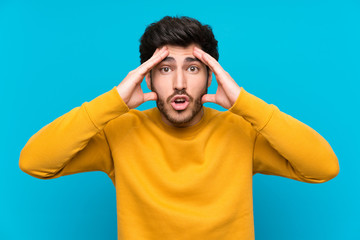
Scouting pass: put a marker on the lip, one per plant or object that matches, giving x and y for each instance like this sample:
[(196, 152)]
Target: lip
[(180, 106), (180, 96)]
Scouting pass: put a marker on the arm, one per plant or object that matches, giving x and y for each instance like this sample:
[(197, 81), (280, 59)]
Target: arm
[(285, 146), (75, 142)]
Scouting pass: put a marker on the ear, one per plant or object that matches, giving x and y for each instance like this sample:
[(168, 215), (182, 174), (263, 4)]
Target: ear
[(147, 79), (210, 77)]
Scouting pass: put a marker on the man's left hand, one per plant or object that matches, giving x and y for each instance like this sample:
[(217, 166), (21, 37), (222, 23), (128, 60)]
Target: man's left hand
[(228, 90)]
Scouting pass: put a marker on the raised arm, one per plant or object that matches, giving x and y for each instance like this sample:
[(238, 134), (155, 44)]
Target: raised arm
[(283, 145), (76, 142)]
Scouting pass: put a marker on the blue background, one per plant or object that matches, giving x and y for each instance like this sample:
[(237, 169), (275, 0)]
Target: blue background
[(302, 56)]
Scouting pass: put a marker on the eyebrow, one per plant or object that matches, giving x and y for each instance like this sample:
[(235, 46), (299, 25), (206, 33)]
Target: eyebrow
[(188, 59)]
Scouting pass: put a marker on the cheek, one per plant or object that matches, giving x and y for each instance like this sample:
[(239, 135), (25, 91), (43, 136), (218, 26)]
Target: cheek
[(197, 85), (162, 87)]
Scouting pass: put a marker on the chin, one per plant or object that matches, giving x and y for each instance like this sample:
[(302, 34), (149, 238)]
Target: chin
[(183, 116), (180, 117)]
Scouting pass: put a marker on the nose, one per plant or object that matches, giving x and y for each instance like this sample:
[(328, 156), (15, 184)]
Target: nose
[(179, 81)]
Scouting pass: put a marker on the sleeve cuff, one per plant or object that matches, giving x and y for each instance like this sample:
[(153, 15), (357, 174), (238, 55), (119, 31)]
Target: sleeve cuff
[(253, 109), (106, 107)]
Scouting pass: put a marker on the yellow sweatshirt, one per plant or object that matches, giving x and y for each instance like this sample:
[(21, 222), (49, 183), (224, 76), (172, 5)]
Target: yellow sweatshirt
[(180, 183)]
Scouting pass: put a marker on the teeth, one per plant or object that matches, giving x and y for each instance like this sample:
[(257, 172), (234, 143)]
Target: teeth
[(180, 100)]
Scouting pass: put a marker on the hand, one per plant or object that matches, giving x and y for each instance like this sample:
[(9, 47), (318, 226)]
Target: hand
[(228, 90), (130, 89)]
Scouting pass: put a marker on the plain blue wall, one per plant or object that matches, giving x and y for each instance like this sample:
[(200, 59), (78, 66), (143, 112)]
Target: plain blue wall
[(302, 56)]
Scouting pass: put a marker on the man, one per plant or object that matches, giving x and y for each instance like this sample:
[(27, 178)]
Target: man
[(181, 170)]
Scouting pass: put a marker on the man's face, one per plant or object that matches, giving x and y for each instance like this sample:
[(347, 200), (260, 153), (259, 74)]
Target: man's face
[(180, 81)]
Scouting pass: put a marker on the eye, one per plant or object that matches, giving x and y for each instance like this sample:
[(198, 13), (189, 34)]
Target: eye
[(193, 69), (165, 69)]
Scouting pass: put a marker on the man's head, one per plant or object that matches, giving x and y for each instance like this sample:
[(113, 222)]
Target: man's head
[(180, 73)]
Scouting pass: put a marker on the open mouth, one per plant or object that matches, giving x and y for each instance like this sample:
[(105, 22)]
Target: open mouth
[(180, 102)]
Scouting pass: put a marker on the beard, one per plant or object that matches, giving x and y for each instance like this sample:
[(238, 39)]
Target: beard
[(179, 117)]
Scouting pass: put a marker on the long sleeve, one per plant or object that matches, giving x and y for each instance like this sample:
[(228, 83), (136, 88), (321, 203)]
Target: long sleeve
[(283, 145), (75, 142)]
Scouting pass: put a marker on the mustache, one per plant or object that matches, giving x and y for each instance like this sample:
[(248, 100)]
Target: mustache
[(179, 92)]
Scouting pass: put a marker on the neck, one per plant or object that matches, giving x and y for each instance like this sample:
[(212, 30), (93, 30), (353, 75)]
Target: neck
[(194, 121)]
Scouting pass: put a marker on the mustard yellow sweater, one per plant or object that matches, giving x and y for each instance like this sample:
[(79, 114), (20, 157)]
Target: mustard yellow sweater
[(180, 183)]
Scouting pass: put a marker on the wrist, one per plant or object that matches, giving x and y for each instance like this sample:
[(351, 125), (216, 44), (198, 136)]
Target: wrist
[(236, 94)]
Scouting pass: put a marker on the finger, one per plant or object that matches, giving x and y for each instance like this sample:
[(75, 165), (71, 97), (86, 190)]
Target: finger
[(206, 58), (208, 98), (150, 96), (153, 61), (209, 61), (156, 51), (199, 55)]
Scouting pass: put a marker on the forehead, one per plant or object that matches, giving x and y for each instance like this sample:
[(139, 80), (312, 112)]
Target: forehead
[(181, 51), (181, 54)]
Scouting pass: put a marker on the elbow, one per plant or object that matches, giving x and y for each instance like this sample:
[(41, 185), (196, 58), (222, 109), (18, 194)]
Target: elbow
[(26, 168), (332, 168), (32, 171), (324, 169), (329, 170), (27, 164), (333, 171)]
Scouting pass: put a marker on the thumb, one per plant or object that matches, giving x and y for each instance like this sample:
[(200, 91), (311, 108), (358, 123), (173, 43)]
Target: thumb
[(150, 96), (208, 98)]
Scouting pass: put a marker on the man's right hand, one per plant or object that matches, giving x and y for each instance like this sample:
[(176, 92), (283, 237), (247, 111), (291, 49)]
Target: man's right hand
[(130, 89)]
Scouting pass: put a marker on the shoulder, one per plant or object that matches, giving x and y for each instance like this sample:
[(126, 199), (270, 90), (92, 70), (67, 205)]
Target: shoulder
[(225, 117), (132, 118), (229, 124)]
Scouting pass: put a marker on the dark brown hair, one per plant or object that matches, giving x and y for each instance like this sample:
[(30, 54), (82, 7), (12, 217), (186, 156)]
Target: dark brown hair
[(179, 31)]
